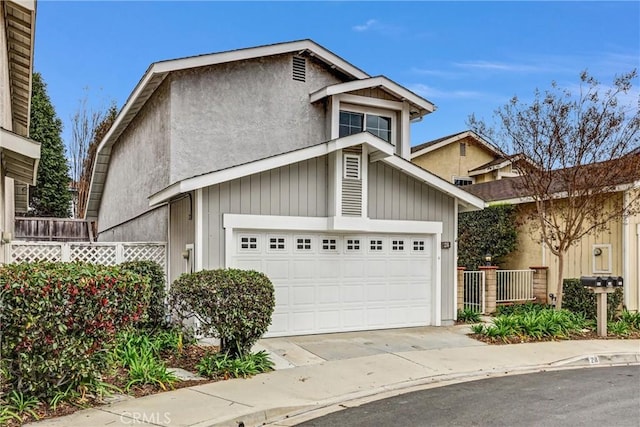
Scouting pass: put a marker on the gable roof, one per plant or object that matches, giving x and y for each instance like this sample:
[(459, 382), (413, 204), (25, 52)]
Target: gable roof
[(158, 71), (380, 149), (429, 146), (420, 106)]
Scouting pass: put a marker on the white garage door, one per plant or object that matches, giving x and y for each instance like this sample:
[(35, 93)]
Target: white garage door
[(336, 283)]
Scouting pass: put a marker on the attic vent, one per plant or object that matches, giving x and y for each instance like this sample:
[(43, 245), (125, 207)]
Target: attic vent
[(299, 69), (351, 166)]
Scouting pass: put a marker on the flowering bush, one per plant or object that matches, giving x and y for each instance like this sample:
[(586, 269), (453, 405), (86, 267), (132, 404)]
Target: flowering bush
[(58, 321)]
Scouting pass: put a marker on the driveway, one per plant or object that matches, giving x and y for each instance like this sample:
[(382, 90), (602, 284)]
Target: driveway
[(289, 352)]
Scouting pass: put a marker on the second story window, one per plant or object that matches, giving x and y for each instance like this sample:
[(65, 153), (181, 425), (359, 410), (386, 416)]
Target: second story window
[(351, 122)]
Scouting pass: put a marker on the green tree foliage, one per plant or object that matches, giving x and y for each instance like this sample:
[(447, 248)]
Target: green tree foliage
[(489, 231), (51, 196)]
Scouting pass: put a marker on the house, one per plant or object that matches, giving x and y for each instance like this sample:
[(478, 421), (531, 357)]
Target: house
[(467, 159), (20, 155), (289, 160), (610, 252)]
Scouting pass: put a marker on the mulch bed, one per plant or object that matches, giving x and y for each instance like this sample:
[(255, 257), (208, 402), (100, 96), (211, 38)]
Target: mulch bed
[(187, 360), (588, 335)]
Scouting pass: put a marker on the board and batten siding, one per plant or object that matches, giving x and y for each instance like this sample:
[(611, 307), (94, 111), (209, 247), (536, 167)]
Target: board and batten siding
[(396, 196), (181, 233), (299, 189)]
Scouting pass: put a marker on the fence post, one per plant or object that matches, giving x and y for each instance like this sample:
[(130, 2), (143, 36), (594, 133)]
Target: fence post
[(540, 285), (491, 287), (460, 303), (65, 252), (119, 253)]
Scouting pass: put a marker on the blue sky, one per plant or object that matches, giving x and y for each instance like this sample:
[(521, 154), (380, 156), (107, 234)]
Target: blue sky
[(466, 57)]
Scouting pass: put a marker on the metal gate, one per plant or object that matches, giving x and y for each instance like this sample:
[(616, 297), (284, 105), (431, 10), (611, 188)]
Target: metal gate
[(474, 291)]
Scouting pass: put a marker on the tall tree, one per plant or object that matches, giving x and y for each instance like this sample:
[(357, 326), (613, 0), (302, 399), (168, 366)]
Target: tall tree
[(584, 151), (51, 196), (84, 181)]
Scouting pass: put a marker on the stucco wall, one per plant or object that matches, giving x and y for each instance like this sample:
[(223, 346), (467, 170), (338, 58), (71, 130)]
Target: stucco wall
[(230, 114), (446, 162), (139, 167), (149, 227), (394, 195)]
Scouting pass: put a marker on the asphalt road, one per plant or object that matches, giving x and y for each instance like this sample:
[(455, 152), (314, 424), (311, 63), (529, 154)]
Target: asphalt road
[(578, 397)]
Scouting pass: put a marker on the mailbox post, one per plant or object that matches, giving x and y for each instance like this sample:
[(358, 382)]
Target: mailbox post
[(601, 286)]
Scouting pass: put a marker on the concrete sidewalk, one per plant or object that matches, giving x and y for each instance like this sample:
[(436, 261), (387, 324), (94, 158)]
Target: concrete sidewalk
[(317, 374)]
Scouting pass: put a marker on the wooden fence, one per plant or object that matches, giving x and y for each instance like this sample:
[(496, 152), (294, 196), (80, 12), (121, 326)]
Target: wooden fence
[(52, 230)]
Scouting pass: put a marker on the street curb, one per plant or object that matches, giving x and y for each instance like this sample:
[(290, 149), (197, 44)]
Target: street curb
[(289, 416)]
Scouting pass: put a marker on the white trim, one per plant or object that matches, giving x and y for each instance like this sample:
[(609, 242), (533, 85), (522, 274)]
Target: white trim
[(19, 144), (379, 81), (427, 177), (364, 178), (405, 132), (338, 182), (199, 234), (269, 163), (366, 101), (229, 247), (506, 162), (600, 246), (454, 247), (330, 224), (437, 288), (456, 138)]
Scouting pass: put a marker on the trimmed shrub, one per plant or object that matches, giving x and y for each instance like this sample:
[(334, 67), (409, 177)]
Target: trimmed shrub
[(579, 299), (58, 321), (232, 305), (157, 309)]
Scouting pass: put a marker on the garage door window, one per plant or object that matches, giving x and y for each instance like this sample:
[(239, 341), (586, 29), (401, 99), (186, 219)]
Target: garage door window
[(330, 244), (353, 245), (418, 246), (375, 245), (303, 244), (277, 243), (248, 243), (397, 245)]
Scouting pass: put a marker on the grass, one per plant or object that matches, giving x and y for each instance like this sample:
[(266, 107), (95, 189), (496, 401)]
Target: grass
[(220, 365)]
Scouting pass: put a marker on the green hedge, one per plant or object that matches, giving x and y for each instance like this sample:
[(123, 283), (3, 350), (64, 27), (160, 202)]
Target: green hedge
[(59, 319), (232, 305), (578, 299), (154, 271)]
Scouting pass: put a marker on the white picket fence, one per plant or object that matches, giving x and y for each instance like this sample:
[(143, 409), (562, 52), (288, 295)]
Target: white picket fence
[(107, 253), (474, 291), (514, 285)]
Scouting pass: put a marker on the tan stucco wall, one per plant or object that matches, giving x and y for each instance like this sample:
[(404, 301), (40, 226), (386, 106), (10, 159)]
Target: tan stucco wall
[(446, 162)]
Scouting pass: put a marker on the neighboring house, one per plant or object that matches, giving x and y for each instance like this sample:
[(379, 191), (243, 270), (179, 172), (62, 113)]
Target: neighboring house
[(465, 158), (20, 155), (612, 252), (289, 160)]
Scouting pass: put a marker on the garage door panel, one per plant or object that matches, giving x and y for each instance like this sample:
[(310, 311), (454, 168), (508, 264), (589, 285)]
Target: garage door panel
[(358, 283), (303, 295), (352, 293), (377, 268), (356, 268), (277, 269), (303, 269)]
